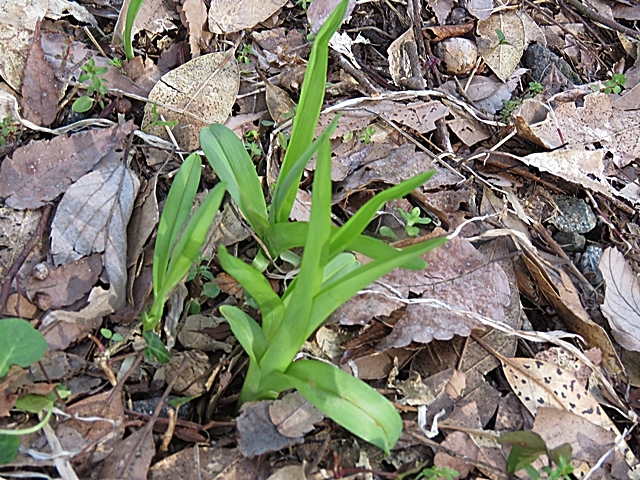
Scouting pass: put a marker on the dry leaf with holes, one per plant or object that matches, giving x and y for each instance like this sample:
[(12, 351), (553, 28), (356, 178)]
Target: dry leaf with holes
[(502, 56), (204, 88), (622, 299), (229, 16)]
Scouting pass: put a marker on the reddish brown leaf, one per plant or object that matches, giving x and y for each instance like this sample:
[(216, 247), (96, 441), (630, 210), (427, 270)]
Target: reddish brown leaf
[(40, 90), (42, 170)]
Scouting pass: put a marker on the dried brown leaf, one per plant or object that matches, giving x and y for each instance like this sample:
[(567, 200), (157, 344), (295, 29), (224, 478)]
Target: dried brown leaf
[(622, 299), (256, 432), (481, 9), (206, 462), (40, 90), (502, 58), (39, 172), (404, 65), (131, 458), (293, 415), (319, 10), (195, 13), (229, 16)]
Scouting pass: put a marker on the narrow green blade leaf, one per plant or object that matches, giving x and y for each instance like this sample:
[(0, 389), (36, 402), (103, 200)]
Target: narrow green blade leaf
[(348, 401), (335, 294), (190, 243), (132, 13), (247, 331), (176, 211), (232, 164), (292, 333), (341, 239), (258, 287), (311, 98)]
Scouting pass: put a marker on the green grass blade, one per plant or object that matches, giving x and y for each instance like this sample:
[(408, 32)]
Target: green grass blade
[(232, 163), (348, 401), (311, 98), (132, 13), (174, 215), (341, 239), (292, 333), (287, 185), (247, 331), (192, 239), (335, 294), (375, 248), (259, 288)]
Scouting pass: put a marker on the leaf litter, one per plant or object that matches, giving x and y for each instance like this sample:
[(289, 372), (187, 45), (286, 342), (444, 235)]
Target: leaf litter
[(434, 336)]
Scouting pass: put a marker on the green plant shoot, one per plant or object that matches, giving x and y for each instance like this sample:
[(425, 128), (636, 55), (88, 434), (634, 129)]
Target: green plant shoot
[(132, 13)]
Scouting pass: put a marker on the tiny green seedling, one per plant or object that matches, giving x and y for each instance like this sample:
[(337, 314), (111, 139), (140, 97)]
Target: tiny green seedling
[(614, 85), (201, 273), (412, 219), (97, 88), (535, 88), (502, 40), (113, 337), (367, 134), (243, 56), (8, 127), (437, 473), (157, 122), (252, 144), (508, 107), (116, 63), (303, 3)]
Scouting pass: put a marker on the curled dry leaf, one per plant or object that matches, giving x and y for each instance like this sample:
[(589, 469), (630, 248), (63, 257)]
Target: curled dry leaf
[(502, 56), (404, 65), (622, 299), (205, 88), (92, 218), (293, 415), (229, 16), (195, 16), (42, 170)]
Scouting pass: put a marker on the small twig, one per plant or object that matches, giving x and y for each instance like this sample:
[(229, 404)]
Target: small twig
[(582, 9), (359, 75)]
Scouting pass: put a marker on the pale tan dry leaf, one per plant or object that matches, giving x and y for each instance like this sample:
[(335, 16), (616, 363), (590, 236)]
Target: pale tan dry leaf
[(92, 217), (229, 16), (290, 472), (195, 13), (155, 17), (197, 462), (469, 130), (622, 299), (205, 86), (442, 9), (40, 90), (17, 26), (293, 415), (62, 8), (319, 10), (131, 458), (598, 125), (404, 65), (481, 9), (16, 229), (42, 170), (502, 58)]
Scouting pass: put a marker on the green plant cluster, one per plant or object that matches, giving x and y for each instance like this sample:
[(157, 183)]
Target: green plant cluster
[(8, 127), (91, 72), (526, 448)]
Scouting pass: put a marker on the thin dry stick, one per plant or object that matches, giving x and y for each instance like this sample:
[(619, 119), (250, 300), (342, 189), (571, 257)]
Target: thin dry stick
[(588, 12)]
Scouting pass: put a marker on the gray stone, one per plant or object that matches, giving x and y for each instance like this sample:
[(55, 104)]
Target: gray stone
[(575, 216), (589, 264), (570, 242)]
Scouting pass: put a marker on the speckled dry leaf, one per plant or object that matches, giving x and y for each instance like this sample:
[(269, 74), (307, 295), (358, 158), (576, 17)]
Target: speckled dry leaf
[(229, 16), (481, 9), (92, 217), (597, 125), (457, 275), (65, 284), (502, 58), (195, 14), (469, 130), (42, 170), (17, 26), (281, 107), (16, 229), (293, 415), (206, 463), (622, 299), (40, 90), (319, 10), (207, 86)]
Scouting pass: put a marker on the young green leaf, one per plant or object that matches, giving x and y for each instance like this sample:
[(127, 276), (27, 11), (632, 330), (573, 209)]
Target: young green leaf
[(9, 445), (132, 13), (247, 331), (20, 344), (311, 98), (232, 164), (155, 348), (526, 447), (348, 401)]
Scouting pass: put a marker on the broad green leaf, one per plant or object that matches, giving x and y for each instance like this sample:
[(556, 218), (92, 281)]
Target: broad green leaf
[(33, 403), (247, 331), (526, 447), (287, 185), (311, 98), (9, 445), (132, 13), (20, 344), (192, 239), (348, 401), (174, 215), (342, 239), (292, 332), (155, 348), (565, 450), (335, 294), (232, 164), (82, 104)]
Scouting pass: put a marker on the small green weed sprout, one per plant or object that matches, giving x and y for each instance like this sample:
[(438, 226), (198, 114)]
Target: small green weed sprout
[(252, 144), (180, 238), (303, 3), (614, 85), (412, 219), (437, 473), (527, 446), (8, 127), (508, 107), (243, 56), (535, 88), (367, 134), (201, 273), (97, 88), (116, 62), (329, 273), (22, 345), (502, 40), (113, 337), (157, 122)]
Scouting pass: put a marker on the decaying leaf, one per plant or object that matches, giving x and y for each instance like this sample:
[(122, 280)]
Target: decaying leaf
[(293, 415), (131, 458), (92, 218), (442, 9), (154, 16), (404, 64), (16, 229), (318, 12), (205, 88), (502, 56), (42, 170), (257, 433), (61, 8), (481, 9), (229, 16), (195, 14), (199, 462), (40, 90), (622, 299)]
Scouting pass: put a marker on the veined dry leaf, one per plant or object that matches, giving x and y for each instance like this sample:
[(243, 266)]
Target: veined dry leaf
[(61, 8), (622, 299), (206, 87), (229, 16), (293, 415), (92, 218), (42, 170), (40, 90), (18, 21), (131, 458), (502, 57), (195, 14)]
